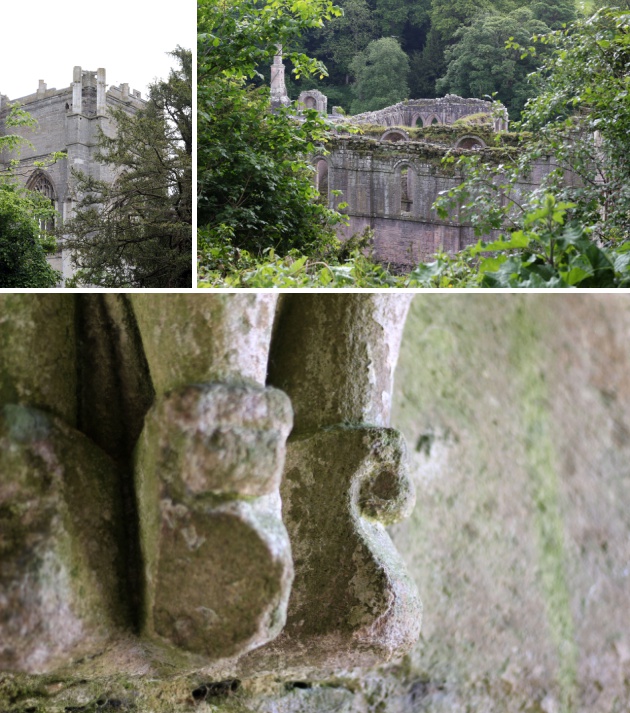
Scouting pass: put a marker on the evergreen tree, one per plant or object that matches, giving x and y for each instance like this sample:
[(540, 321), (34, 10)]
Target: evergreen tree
[(382, 73), (137, 231), (427, 66)]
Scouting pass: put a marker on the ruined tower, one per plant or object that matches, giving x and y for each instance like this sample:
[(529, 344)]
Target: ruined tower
[(68, 120), (279, 95)]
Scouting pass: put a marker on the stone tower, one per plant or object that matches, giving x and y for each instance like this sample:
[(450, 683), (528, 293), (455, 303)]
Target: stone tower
[(279, 95), (67, 120)]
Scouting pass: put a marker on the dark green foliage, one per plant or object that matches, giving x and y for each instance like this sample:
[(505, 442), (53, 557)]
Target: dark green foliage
[(22, 252), (381, 74), (479, 64), (424, 30), (554, 13), (574, 231), (427, 67), (24, 214), (581, 115), (255, 187), (137, 231), (344, 37), (448, 16)]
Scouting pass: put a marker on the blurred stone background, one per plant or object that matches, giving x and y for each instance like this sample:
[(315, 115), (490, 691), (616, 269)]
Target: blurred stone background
[(516, 413)]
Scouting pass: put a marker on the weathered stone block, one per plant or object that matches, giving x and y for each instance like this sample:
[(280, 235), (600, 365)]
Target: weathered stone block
[(217, 556), (353, 602), (61, 575)]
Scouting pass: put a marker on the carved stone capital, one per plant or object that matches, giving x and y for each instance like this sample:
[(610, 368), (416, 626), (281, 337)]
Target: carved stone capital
[(353, 602), (217, 556)]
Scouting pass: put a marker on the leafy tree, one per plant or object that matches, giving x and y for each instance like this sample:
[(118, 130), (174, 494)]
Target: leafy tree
[(581, 116), (403, 19), (382, 73), (137, 231), (23, 248), (448, 16), (255, 188), (479, 63), (574, 231), (554, 13), (344, 37), (23, 213)]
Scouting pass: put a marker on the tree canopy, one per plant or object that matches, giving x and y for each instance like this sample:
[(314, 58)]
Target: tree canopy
[(24, 242), (479, 65), (255, 187), (381, 73), (137, 231)]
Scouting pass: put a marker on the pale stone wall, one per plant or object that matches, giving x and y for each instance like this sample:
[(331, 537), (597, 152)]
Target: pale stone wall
[(426, 112)]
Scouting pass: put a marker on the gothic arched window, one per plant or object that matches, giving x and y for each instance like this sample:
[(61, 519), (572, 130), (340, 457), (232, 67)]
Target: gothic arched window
[(40, 183)]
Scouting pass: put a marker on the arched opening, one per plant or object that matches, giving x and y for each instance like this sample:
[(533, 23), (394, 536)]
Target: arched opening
[(406, 182), (321, 179), (470, 142), (39, 182), (435, 121), (405, 200), (310, 103), (395, 135)]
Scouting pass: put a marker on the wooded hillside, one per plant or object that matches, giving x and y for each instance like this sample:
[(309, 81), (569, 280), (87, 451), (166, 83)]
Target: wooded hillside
[(384, 51)]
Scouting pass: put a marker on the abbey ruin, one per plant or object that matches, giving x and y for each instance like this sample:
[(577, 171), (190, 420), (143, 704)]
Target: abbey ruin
[(390, 173), (68, 120)]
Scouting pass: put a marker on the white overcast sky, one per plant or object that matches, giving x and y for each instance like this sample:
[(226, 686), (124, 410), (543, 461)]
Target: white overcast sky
[(45, 39)]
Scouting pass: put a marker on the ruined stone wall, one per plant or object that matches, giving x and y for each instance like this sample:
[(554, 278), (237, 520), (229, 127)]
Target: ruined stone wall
[(369, 175), (425, 112), (68, 120)]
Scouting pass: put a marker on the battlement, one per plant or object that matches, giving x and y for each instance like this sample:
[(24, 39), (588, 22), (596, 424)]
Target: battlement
[(87, 94)]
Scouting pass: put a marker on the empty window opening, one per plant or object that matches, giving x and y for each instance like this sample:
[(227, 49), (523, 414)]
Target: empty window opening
[(405, 192), (321, 179), (470, 142)]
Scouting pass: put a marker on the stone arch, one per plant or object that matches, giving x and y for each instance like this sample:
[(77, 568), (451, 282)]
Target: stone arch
[(416, 120), (470, 141), (313, 99), (395, 135), (322, 178), (40, 182), (433, 120), (405, 181)]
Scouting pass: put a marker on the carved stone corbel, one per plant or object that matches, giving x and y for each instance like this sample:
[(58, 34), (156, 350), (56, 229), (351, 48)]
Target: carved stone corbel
[(217, 558), (353, 602)]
